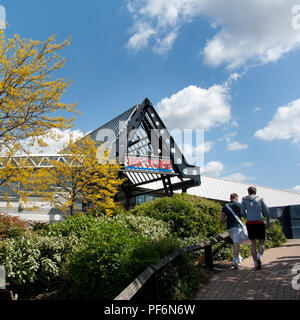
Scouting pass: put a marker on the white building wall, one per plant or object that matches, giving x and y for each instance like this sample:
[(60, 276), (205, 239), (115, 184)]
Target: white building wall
[(220, 189), (33, 210), (211, 188)]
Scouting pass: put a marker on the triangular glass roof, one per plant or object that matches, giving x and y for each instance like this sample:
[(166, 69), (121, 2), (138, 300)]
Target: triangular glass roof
[(143, 145)]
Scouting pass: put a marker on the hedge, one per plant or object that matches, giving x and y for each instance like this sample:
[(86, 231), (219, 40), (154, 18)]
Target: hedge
[(187, 216), (97, 257)]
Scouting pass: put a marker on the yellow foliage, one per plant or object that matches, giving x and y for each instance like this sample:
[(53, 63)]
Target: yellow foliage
[(14, 174), (81, 178), (29, 96)]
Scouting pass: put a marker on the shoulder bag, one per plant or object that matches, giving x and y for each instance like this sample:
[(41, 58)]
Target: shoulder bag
[(244, 234)]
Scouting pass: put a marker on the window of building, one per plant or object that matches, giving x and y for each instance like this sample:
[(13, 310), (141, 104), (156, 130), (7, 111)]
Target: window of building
[(142, 198)]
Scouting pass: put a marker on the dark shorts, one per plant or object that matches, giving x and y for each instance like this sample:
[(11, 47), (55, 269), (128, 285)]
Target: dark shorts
[(256, 231)]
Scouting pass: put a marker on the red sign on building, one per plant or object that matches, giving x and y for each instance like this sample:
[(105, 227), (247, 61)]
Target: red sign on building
[(149, 164)]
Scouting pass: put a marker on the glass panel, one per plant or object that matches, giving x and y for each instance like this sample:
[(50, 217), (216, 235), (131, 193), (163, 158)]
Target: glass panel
[(140, 199), (149, 197)]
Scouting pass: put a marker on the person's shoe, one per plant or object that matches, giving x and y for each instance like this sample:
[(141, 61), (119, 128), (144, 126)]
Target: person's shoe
[(235, 265), (258, 264)]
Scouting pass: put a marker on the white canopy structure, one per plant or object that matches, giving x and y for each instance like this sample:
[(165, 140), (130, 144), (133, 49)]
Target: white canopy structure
[(220, 190)]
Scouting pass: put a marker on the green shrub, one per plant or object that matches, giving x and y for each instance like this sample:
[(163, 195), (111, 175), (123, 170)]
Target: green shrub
[(188, 216), (78, 225), (11, 227), (208, 216), (145, 226), (100, 211), (223, 250), (32, 262), (108, 259), (274, 235), (180, 279), (177, 213), (37, 226)]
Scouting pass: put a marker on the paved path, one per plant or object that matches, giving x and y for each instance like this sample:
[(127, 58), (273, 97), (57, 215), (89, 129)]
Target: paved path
[(273, 282)]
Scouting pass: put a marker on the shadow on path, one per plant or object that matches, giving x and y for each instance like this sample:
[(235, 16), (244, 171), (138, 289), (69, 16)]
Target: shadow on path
[(273, 282)]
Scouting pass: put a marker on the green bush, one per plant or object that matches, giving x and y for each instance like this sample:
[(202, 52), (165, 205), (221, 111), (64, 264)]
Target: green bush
[(180, 279), (100, 211), (32, 262), (177, 213), (208, 216), (37, 226), (145, 226), (187, 216), (108, 259), (97, 257), (78, 225), (274, 235)]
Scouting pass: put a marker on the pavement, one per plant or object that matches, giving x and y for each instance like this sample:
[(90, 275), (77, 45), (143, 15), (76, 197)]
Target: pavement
[(272, 282)]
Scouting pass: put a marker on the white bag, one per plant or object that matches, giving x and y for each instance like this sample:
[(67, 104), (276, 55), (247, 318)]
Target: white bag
[(244, 233)]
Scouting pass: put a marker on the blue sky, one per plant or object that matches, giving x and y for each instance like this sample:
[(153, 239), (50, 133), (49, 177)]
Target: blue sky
[(231, 69)]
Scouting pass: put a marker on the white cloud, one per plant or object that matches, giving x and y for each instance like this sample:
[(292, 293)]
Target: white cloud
[(284, 125), (257, 30), (235, 145), (196, 108), (216, 168), (208, 146), (141, 37), (296, 188), (189, 149), (247, 164), (214, 25), (233, 77), (257, 109), (238, 177), (55, 145), (213, 169), (157, 21), (194, 155), (165, 44), (228, 135)]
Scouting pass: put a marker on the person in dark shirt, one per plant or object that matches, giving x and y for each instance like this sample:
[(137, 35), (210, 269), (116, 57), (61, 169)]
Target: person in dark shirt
[(233, 227)]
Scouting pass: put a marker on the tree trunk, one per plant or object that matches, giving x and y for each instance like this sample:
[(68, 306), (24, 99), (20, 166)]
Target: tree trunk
[(71, 209)]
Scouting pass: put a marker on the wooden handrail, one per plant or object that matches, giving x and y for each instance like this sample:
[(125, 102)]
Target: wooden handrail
[(139, 282), (129, 292)]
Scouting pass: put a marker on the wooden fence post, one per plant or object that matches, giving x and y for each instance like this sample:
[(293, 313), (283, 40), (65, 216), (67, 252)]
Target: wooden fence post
[(208, 257), (156, 285), (151, 274)]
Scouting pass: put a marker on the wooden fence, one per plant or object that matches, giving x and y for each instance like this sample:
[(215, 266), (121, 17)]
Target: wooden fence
[(150, 275)]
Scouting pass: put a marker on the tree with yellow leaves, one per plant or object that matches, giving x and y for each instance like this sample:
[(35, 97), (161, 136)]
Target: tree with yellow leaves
[(30, 96), (79, 177), (13, 174)]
